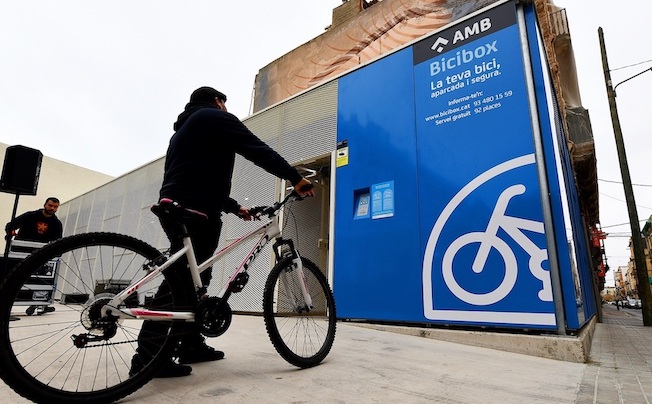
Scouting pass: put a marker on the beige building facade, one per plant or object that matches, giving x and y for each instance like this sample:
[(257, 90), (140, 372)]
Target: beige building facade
[(57, 178), (621, 280)]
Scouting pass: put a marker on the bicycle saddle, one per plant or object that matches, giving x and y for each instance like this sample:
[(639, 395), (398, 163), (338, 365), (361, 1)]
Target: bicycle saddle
[(171, 209)]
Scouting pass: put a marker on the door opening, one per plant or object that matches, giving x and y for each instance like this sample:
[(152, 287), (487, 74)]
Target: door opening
[(313, 219)]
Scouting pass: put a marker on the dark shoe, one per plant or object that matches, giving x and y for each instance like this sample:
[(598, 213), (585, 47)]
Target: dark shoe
[(168, 369), (136, 365), (199, 353), (173, 369)]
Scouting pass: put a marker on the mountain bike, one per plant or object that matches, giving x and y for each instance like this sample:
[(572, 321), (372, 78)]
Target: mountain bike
[(84, 351)]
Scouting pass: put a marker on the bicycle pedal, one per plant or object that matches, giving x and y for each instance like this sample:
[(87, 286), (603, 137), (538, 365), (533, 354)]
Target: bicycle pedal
[(239, 282)]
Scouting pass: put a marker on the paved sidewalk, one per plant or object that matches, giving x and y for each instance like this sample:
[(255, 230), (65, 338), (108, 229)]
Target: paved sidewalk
[(372, 366), (620, 364)]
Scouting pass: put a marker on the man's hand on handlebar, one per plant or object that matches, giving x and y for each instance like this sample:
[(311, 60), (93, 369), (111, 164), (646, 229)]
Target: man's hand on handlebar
[(304, 188), (243, 213)]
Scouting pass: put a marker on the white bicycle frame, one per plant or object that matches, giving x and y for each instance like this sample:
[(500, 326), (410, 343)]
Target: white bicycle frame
[(268, 231), (514, 227)]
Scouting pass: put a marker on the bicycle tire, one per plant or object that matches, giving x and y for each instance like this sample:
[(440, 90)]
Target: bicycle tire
[(302, 338), (38, 355), (483, 298)]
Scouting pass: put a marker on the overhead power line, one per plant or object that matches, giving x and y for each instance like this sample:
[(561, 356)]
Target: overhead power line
[(632, 65), (620, 182), (620, 200), (620, 224)]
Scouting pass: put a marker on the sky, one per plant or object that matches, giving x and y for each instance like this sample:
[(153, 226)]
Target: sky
[(99, 83)]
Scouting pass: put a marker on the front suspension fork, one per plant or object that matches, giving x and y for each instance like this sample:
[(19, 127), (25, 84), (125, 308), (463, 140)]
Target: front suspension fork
[(285, 249)]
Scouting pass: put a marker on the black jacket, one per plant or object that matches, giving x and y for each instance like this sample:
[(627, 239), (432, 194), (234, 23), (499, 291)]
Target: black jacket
[(200, 158), (34, 226)]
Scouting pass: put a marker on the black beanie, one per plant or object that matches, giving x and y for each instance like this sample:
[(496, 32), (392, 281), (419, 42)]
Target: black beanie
[(206, 94)]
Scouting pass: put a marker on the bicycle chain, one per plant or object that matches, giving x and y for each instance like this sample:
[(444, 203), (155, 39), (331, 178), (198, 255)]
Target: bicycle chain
[(120, 343)]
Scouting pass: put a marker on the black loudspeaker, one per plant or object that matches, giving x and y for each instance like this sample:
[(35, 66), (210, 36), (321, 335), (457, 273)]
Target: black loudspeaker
[(21, 170)]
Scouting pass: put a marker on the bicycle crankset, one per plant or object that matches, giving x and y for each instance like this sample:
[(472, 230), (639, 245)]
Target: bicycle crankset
[(213, 316)]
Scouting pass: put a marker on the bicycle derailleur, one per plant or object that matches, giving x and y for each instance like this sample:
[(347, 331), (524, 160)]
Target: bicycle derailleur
[(99, 328)]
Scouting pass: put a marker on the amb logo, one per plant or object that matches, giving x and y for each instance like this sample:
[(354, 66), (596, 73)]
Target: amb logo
[(462, 34)]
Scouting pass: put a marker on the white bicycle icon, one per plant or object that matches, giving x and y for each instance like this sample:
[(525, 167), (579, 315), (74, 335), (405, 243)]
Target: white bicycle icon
[(489, 239)]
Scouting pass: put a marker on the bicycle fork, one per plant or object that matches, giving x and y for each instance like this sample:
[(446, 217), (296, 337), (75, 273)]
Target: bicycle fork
[(285, 249), (493, 226)]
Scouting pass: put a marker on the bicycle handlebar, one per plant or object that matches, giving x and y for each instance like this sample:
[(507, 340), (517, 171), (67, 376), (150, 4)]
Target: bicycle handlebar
[(257, 211)]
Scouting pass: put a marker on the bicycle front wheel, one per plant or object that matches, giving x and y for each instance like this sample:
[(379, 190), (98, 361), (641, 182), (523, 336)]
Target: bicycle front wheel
[(302, 332), (75, 354)]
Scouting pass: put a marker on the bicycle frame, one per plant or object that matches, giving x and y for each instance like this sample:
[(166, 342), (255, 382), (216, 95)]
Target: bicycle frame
[(267, 231)]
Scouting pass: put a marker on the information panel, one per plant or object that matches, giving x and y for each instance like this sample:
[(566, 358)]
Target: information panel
[(484, 249)]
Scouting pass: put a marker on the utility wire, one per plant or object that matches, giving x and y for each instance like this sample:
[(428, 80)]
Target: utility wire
[(620, 182), (620, 200), (621, 224), (632, 65)]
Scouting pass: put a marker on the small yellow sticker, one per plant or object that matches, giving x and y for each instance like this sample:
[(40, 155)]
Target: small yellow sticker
[(342, 156)]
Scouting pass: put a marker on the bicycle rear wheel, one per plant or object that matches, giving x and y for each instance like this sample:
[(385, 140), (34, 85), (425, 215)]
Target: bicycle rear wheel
[(72, 354), (302, 335)]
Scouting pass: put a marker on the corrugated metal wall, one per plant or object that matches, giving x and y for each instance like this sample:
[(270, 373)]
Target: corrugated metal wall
[(301, 129)]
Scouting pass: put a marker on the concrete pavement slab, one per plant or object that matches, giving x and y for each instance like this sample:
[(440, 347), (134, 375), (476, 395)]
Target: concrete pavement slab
[(620, 363), (367, 366)]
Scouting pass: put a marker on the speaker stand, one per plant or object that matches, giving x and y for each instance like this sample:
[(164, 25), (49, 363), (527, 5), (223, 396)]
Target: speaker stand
[(8, 246)]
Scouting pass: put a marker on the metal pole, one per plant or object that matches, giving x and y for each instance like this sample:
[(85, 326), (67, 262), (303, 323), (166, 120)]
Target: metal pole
[(7, 249), (644, 292), (553, 260), (8, 241)]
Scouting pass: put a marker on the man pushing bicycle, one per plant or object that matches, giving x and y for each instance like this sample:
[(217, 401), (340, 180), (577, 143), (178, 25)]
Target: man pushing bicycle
[(198, 170)]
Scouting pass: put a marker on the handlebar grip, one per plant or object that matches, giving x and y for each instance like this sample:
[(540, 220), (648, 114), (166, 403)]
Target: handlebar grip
[(304, 188), (256, 210), (307, 187)]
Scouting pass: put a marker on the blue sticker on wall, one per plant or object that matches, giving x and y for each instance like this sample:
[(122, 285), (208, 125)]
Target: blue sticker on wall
[(382, 200)]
